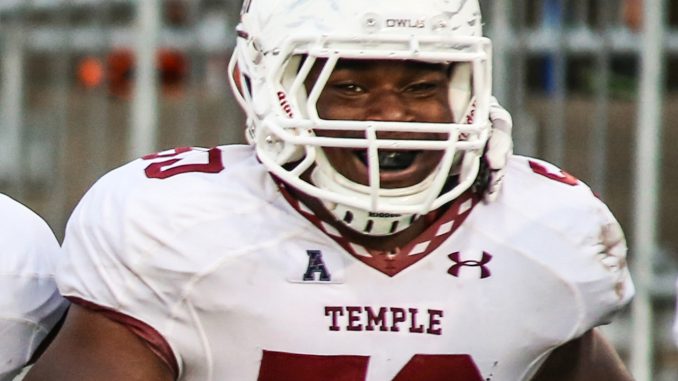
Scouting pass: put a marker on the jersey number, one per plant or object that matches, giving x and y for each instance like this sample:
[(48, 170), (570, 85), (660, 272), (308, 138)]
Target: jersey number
[(561, 176), (281, 366), (167, 168)]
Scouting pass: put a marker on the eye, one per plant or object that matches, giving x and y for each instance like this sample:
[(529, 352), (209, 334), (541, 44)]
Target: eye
[(348, 88), (424, 88)]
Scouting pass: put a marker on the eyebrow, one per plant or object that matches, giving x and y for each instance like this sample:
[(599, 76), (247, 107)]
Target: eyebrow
[(358, 64)]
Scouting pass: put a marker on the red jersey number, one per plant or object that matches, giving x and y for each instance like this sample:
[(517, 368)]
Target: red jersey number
[(281, 366), (173, 166), (561, 176)]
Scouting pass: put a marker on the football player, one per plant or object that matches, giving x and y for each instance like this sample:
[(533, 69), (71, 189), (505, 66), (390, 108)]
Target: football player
[(675, 322), (30, 304), (375, 229)]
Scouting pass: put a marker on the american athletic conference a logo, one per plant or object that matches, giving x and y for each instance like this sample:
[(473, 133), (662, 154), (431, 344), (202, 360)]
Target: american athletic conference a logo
[(316, 269), (460, 263)]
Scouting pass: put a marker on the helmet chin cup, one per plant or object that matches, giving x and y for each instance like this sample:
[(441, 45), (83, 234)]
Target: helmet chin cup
[(371, 223), (366, 221)]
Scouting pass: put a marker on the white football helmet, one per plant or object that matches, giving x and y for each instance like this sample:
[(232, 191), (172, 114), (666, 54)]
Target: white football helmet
[(278, 43)]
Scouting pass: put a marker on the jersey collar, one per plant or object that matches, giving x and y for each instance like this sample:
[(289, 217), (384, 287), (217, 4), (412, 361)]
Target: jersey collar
[(392, 263)]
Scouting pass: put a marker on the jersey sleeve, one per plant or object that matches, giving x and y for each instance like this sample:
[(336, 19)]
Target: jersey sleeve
[(124, 247), (575, 235), (611, 288), (109, 262), (30, 304)]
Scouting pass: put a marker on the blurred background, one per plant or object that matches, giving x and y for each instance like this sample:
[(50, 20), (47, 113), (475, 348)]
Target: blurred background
[(87, 85)]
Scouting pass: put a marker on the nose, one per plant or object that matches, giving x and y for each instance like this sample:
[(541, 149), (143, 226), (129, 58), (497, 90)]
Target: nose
[(388, 106)]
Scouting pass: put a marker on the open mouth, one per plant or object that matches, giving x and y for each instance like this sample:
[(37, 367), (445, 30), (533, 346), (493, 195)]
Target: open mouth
[(391, 160)]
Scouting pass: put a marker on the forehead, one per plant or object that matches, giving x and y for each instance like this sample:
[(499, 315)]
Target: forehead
[(409, 66)]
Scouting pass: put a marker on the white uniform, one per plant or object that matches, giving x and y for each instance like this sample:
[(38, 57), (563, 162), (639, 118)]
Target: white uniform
[(675, 323), (240, 285), (30, 304)]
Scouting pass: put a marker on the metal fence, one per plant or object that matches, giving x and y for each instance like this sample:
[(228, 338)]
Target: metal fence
[(86, 85)]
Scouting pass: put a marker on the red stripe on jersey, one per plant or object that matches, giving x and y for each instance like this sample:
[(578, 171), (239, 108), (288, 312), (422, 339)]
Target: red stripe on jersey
[(155, 341)]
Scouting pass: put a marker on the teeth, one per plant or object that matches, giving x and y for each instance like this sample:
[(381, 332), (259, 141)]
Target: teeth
[(392, 160)]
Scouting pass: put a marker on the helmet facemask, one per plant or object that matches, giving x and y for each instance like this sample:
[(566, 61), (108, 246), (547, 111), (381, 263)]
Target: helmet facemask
[(291, 138)]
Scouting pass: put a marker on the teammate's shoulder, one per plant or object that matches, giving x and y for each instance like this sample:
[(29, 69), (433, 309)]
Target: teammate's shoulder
[(18, 222), (12, 210), (28, 243), (30, 304)]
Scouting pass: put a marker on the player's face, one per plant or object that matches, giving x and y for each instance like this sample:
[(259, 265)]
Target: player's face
[(381, 90)]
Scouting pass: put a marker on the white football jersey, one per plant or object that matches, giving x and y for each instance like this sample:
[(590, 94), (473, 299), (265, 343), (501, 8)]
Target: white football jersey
[(675, 323), (30, 304), (216, 266)]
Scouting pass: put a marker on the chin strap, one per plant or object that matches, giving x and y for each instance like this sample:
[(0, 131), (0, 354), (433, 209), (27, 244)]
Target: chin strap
[(360, 220)]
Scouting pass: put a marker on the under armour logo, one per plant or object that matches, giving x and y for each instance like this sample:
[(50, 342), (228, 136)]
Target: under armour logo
[(316, 266), (459, 264)]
